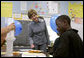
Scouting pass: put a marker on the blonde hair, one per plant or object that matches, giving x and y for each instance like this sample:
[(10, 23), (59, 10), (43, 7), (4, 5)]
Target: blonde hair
[(31, 12)]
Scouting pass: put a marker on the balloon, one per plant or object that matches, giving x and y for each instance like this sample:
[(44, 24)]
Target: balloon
[(53, 24), (18, 28)]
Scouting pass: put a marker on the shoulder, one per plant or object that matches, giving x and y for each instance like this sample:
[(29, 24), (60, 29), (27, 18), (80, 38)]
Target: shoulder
[(31, 23), (57, 40), (72, 33), (65, 35), (41, 20)]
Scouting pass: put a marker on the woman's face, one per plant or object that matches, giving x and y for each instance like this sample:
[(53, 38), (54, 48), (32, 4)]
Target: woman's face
[(34, 17)]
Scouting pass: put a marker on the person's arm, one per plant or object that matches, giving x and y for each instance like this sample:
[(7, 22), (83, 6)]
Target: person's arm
[(62, 49), (56, 44), (4, 32), (47, 35), (3, 39), (7, 29), (30, 34)]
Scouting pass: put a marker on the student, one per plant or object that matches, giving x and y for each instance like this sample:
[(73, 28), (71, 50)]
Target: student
[(38, 34), (70, 44), (4, 32)]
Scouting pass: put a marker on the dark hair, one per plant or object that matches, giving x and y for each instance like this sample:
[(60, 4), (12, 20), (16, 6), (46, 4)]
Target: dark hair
[(63, 18), (30, 12)]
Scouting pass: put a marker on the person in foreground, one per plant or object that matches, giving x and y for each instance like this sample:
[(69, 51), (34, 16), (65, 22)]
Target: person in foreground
[(70, 44), (4, 32)]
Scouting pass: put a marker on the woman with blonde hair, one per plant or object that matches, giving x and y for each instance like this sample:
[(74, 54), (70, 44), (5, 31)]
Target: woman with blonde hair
[(38, 34)]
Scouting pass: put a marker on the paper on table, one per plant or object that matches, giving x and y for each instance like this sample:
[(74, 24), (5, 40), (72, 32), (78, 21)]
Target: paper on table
[(25, 49), (26, 54)]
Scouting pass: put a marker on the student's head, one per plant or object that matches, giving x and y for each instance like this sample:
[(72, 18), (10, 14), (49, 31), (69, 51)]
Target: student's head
[(63, 23), (32, 14)]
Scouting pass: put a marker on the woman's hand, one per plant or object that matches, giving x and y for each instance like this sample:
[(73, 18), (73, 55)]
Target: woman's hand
[(32, 46)]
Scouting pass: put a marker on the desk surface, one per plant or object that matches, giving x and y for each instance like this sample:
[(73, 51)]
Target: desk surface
[(25, 54)]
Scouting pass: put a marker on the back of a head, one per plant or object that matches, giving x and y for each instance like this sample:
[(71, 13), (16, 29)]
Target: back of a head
[(63, 18)]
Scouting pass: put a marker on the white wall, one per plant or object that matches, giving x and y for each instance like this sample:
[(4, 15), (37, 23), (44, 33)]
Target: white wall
[(79, 27), (52, 35)]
